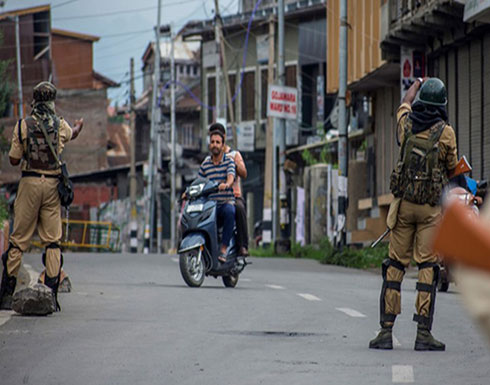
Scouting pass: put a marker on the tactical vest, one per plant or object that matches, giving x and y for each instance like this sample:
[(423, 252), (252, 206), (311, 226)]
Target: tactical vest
[(38, 153), (419, 176)]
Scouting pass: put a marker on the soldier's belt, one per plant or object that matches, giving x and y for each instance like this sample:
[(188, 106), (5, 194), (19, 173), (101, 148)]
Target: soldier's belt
[(37, 175)]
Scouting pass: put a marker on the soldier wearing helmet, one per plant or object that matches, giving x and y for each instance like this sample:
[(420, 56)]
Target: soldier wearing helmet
[(37, 203), (428, 153)]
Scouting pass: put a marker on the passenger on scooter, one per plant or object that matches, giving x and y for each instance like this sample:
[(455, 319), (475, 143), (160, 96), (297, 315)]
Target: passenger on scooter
[(240, 210), (220, 168)]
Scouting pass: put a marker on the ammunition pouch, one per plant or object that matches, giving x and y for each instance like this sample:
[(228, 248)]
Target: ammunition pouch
[(423, 321), (394, 285), (396, 181)]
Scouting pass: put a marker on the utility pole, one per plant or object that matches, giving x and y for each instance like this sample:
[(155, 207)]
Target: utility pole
[(150, 196), (172, 140), (19, 67), (282, 217), (229, 97), (342, 150), (132, 169), (269, 187), (217, 109)]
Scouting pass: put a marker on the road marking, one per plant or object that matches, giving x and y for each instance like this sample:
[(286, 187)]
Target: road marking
[(309, 297), (245, 280), (402, 374), (175, 259), (350, 312), (276, 287), (396, 342)]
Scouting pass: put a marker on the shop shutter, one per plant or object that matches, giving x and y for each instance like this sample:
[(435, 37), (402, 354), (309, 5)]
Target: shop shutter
[(452, 89), (486, 106), (463, 91), (475, 79)]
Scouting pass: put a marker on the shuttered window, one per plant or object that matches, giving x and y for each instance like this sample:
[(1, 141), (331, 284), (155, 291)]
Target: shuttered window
[(232, 80), (248, 97), (211, 98)]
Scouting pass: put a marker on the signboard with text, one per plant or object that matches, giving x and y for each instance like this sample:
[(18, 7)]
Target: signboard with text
[(282, 102)]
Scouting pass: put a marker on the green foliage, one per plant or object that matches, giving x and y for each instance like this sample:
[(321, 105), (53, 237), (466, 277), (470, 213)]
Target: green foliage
[(363, 146), (310, 160), (4, 210), (5, 84), (4, 142), (308, 157), (265, 252), (325, 253)]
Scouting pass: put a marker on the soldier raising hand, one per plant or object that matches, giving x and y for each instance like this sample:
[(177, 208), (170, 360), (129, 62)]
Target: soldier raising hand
[(37, 142), (427, 155)]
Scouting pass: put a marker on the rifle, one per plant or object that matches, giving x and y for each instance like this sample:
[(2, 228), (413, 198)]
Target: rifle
[(375, 243), (391, 219), (462, 167)]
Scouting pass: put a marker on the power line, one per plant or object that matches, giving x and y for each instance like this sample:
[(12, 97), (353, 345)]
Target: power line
[(62, 4)]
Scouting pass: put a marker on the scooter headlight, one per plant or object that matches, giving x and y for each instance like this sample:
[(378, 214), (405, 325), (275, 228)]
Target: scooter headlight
[(196, 190)]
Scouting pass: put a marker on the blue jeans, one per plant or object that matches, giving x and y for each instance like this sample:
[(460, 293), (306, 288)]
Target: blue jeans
[(226, 219)]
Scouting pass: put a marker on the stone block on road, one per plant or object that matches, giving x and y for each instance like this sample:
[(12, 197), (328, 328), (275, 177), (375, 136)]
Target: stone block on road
[(35, 300)]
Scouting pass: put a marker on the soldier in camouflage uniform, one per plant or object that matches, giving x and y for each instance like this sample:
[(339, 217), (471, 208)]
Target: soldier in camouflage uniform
[(428, 153), (37, 203)]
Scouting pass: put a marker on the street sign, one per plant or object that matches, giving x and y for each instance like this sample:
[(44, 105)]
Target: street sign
[(246, 137), (282, 102)]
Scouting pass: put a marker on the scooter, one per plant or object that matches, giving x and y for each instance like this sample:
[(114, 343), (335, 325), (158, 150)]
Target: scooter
[(199, 249), (469, 198)]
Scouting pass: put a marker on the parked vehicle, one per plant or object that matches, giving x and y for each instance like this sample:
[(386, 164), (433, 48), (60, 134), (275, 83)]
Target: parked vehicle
[(199, 249)]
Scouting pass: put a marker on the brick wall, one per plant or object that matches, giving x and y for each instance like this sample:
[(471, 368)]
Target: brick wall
[(93, 195), (88, 152)]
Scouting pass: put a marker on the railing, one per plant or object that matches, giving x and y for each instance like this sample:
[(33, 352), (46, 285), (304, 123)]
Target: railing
[(88, 235), (400, 8)]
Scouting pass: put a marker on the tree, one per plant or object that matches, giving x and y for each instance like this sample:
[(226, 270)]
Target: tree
[(5, 85)]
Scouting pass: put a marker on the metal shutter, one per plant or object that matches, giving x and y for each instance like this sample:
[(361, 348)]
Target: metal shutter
[(475, 77), (452, 89), (463, 91), (486, 106)]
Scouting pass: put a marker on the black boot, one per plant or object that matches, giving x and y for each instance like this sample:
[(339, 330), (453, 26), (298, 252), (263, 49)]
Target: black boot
[(7, 288), (384, 339), (425, 341), (53, 284)]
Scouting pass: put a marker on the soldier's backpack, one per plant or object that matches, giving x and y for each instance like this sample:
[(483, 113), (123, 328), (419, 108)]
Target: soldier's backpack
[(419, 176), (38, 154)]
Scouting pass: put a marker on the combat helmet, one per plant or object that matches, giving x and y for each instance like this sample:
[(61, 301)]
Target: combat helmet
[(44, 92), (433, 92)]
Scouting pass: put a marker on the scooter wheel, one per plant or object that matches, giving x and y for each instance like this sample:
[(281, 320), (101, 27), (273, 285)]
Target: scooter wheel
[(230, 280), (443, 286), (191, 268)]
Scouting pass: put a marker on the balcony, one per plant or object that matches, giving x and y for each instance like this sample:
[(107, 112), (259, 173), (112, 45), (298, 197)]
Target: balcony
[(418, 23)]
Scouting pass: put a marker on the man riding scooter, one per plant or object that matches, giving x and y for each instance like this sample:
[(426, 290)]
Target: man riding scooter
[(220, 168), (240, 210)]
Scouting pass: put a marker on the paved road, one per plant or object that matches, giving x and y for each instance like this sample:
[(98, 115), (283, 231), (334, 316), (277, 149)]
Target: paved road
[(132, 320)]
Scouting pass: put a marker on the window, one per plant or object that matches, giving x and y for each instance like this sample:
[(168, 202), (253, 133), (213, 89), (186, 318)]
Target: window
[(248, 96), (264, 89), (211, 98), (291, 76), (232, 80)]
